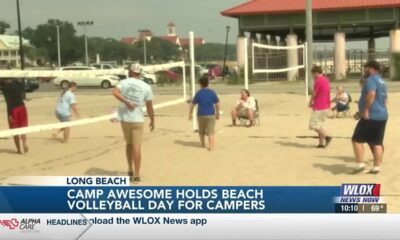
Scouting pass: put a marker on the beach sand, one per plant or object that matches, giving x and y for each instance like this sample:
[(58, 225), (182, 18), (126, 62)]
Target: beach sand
[(279, 152)]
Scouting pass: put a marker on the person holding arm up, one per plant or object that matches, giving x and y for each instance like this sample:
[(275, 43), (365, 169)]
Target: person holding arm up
[(207, 113), (134, 94)]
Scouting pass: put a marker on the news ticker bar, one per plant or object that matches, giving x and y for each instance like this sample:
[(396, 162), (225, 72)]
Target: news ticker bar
[(128, 199), (199, 226)]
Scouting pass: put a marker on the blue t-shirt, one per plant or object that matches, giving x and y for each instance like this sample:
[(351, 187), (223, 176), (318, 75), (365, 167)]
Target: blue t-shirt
[(64, 103), (135, 91), (378, 110), (205, 98)]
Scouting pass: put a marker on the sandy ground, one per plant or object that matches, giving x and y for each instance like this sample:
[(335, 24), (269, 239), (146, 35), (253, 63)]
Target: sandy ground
[(279, 152)]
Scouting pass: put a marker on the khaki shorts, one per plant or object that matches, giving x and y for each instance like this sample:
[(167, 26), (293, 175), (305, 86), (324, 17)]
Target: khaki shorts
[(318, 119), (242, 112), (133, 132), (206, 125)]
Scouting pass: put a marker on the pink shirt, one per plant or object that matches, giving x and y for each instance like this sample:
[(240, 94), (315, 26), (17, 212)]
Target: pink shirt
[(322, 88)]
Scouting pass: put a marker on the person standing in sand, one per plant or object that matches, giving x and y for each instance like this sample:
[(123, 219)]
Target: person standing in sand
[(66, 102), (207, 112), (17, 114), (320, 104), (370, 129), (134, 94)]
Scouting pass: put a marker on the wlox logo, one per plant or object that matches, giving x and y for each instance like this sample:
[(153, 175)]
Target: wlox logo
[(10, 223), (359, 193), (361, 190)]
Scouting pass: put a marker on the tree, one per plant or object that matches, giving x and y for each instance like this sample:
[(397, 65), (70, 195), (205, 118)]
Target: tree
[(4, 26), (215, 52), (157, 49), (45, 36), (108, 48)]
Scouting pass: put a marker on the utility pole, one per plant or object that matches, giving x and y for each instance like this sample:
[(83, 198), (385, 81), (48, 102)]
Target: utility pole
[(21, 49), (224, 69), (85, 24), (142, 34), (57, 25)]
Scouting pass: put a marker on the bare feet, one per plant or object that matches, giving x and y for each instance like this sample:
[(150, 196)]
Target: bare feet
[(26, 149), (54, 135)]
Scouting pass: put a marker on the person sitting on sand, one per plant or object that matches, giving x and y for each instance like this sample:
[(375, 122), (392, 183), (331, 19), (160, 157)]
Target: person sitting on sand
[(245, 108), (341, 101), (207, 112)]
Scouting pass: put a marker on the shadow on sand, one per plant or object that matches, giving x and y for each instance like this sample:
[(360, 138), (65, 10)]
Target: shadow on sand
[(189, 144), (335, 169), (104, 172), (294, 144)]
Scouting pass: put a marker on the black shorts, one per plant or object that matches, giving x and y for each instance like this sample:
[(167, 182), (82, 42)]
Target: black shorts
[(369, 131)]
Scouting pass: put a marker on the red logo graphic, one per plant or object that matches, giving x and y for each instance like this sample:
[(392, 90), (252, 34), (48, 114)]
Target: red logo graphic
[(11, 224)]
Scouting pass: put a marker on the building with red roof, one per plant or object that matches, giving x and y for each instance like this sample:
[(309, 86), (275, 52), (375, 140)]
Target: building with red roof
[(266, 21), (171, 37)]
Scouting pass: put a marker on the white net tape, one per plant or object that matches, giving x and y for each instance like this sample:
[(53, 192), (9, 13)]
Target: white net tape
[(272, 58), (47, 127), (259, 45), (57, 73)]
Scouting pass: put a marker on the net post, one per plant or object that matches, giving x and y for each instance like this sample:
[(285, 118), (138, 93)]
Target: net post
[(184, 80), (192, 75), (246, 65), (253, 57), (306, 69)]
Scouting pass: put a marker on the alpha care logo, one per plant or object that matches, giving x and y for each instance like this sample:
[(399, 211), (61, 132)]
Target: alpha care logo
[(10, 223), (29, 224)]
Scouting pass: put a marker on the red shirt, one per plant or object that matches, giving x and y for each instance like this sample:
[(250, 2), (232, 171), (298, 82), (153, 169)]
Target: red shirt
[(322, 89)]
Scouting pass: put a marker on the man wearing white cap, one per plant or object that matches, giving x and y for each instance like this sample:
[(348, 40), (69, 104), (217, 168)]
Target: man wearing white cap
[(134, 94)]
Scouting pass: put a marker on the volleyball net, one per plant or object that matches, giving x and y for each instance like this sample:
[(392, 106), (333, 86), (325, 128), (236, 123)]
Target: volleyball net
[(94, 105)]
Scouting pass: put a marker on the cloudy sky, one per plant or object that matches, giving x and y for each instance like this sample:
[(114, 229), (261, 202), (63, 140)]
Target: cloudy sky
[(118, 18)]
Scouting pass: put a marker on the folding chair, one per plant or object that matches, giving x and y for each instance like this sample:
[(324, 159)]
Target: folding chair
[(243, 120), (346, 113)]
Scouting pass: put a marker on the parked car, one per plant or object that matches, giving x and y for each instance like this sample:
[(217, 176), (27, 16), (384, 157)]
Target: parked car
[(169, 75), (89, 80), (31, 84), (214, 70), (148, 77), (103, 66), (199, 70)]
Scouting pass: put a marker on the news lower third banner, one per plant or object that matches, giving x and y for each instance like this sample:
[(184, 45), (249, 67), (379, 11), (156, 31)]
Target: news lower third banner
[(108, 207)]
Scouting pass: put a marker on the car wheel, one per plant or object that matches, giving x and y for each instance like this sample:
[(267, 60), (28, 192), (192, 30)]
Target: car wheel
[(64, 84), (105, 84)]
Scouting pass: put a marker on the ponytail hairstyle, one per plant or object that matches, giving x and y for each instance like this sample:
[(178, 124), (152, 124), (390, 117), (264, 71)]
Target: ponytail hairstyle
[(70, 85)]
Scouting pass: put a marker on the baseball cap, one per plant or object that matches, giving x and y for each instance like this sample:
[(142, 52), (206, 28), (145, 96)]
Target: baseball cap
[(372, 64), (135, 67)]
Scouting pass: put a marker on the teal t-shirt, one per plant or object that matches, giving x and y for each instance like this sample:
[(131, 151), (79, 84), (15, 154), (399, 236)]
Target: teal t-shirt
[(64, 103), (378, 110), (138, 92)]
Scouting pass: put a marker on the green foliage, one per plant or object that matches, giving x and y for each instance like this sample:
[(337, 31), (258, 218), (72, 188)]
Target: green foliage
[(45, 36), (158, 51), (215, 52), (4, 26), (396, 64)]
